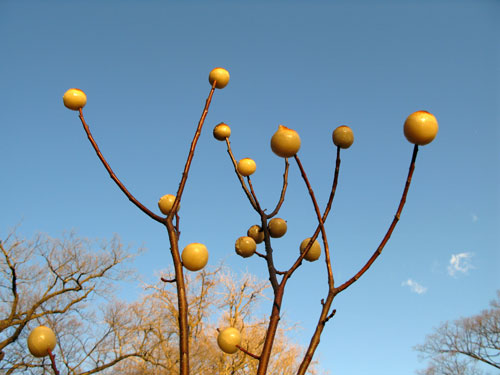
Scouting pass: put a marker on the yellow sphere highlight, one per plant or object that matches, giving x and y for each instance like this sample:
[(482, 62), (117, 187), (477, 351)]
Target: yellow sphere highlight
[(166, 203), (220, 76), (314, 252), (194, 256), (74, 99), (277, 227), (343, 136), (421, 128), (256, 232), (41, 340), (228, 339), (246, 167), (245, 246), (222, 131), (285, 142)]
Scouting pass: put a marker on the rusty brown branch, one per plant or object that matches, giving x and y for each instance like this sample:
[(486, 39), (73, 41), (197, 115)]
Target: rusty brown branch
[(283, 191), (254, 195), (53, 362), (173, 234), (185, 173), (377, 252), (143, 208), (181, 300), (279, 292), (320, 223), (334, 186), (168, 280), (248, 353), (326, 304), (242, 181), (261, 255), (324, 317)]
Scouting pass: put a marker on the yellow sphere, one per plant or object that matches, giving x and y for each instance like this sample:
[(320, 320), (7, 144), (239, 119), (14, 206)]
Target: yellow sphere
[(285, 142), (277, 227), (222, 131), (245, 246), (194, 256), (220, 76), (343, 137), (256, 232), (41, 340), (421, 128), (313, 253), (246, 167), (228, 339), (166, 203), (74, 99)]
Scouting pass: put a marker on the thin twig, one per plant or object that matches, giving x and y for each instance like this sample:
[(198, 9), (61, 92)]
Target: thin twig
[(324, 317), (173, 234), (261, 255), (248, 353), (53, 362), (320, 222), (283, 191), (254, 195), (185, 173), (334, 186), (143, 208), (389, 231), (242, 181)]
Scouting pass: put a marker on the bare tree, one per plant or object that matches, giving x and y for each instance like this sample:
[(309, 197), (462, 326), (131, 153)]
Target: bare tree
[(217, 299), (57, 282), (456, 348)]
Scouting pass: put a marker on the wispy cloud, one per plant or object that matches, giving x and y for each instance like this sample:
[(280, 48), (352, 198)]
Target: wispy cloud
[(414, 286), (460, 263), (475, 218)]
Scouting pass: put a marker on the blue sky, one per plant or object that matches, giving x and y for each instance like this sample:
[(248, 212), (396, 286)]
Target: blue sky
[(311, 66)]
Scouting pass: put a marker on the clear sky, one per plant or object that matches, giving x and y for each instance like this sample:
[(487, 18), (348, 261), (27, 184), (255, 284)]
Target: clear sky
[(311, 66)]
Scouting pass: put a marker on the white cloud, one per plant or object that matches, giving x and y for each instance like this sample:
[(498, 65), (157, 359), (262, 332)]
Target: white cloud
[(414, 286), (475, 218), (460, 263)]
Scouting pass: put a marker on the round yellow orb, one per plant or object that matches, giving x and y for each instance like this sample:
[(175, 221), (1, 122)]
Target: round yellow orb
[(194, 256), (222, 131), (228, 339), (246, 167), (74, 99), (256, 232), (220, 76), (285, 142), (421, 128), (41, 340), (245, 246), (343, 136), (277, 227), (314, 252), (166, 203)]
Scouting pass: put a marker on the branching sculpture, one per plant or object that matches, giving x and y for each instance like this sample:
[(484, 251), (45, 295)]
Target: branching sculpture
[(420, 128)]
